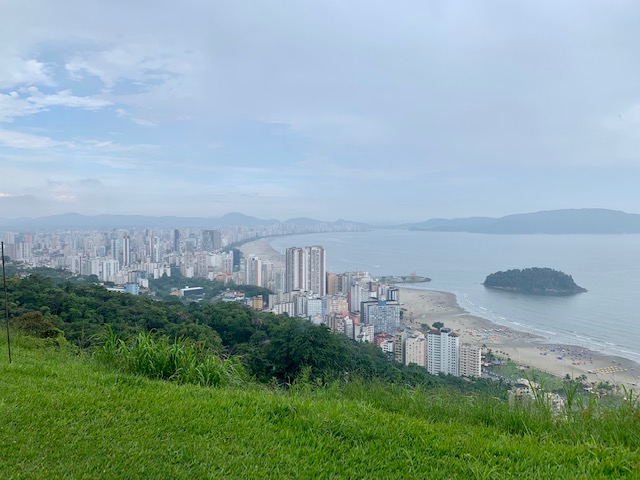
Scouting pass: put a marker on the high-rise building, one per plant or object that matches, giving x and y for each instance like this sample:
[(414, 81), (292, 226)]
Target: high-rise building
[(253, 271), (399, 340), (305, 270), (470, 360), (110, 268), (126, 251), (331, 283), (442, 352), (156, 254), (415, 350), (296, 270), (317, 267), (176, 240), (211, 240), (382, 314)]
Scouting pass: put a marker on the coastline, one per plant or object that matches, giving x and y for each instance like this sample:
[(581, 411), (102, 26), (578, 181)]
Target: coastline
[(526, 349)]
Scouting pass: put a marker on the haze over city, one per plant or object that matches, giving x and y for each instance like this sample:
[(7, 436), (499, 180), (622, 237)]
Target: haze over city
[(361, 110)]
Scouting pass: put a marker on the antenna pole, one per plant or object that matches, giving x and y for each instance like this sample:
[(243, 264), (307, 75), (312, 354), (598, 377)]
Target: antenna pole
[(6, 301)]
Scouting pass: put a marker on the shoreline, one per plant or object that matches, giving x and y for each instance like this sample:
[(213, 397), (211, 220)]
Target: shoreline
[(528, 350)]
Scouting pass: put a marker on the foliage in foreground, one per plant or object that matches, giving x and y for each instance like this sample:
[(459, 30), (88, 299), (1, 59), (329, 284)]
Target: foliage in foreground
[(269, 346), (63, 416), (158, 358)]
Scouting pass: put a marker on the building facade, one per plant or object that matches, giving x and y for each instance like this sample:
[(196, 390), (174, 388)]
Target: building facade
[(442, 352)]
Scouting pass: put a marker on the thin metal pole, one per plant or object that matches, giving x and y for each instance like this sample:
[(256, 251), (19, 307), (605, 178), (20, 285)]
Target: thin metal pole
[(6, 301)]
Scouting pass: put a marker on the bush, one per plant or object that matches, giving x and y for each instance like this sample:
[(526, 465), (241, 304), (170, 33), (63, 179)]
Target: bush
[(180, 361)]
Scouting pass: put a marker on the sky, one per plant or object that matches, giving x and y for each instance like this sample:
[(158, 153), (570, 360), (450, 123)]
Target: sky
[(367, 110)]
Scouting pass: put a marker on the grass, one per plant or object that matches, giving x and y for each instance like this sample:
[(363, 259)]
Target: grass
[(63, 415), (158, 358)]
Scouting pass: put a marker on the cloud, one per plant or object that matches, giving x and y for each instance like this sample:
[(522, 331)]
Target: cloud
[(15, 71), (12, 106), (142, 64), (406, 97), (65, 98), (30, 101), (13, 139)]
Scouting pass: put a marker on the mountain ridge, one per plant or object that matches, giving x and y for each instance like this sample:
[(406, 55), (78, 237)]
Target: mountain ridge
[(560, 222), (231, 219)]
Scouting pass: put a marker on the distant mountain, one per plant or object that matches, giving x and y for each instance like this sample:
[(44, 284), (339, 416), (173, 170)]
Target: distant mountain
[(304, 221), (234, 218), (452, 225), (569, 221), (76, 220)]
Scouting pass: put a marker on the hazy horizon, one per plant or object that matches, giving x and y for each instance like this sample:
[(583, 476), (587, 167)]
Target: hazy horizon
[(366, 111)]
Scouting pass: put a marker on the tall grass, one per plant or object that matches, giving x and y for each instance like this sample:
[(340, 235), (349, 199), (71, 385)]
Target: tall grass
[(158, 358)]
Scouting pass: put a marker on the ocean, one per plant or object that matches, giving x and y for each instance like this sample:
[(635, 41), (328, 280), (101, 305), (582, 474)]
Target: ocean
[(605, 319)]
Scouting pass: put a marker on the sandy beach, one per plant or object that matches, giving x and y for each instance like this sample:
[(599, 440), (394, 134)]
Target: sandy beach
[(526, 349)]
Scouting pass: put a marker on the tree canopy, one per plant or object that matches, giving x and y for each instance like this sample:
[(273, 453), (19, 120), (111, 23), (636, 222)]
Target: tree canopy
[(270, 346), (541, 281)]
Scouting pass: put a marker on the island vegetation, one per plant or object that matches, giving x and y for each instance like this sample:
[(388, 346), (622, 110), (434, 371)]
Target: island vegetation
[(537, 281)]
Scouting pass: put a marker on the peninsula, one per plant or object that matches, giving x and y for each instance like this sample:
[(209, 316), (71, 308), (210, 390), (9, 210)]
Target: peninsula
[(537, 281)]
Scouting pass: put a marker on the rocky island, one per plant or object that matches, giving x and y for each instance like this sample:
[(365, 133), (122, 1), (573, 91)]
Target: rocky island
[(536, 281)]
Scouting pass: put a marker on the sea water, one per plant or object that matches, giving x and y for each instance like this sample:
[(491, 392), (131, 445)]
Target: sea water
[(605, 319)]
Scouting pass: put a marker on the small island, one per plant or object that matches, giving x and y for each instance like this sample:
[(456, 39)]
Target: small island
[(413, 278), (536, 281)]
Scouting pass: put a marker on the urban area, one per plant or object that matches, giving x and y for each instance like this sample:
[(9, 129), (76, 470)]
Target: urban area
[(354, 304)]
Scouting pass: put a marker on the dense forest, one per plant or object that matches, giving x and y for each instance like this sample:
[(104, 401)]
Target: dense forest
[(539, 281), (271, 347)]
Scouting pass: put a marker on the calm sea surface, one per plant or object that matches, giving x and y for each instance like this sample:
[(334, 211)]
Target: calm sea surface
[(606, 318)]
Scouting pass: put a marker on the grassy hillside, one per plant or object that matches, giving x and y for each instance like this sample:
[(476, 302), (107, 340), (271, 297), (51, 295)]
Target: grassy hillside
[(64, 415)]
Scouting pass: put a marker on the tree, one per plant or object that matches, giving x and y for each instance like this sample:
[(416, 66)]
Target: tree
[(38, 325)]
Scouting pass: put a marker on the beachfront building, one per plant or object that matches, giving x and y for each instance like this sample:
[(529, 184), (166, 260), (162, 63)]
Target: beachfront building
[(295, 270), (442, 352), (470, 360), (305, 270), (415, 350)]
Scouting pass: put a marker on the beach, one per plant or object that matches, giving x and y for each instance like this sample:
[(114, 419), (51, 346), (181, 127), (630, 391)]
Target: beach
[(526, 349)]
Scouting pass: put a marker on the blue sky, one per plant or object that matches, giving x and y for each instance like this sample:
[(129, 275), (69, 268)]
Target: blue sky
[(365, 110)]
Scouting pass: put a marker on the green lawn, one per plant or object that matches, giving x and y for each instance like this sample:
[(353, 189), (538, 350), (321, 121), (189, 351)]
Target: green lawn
[(65, 416)]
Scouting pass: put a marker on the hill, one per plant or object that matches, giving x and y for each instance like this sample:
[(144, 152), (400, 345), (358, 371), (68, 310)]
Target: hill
[(569, 221), (65, 416), (537, 281)]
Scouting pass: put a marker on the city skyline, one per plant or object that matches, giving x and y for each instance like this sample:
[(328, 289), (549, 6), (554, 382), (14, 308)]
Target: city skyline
[(364, 110)]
